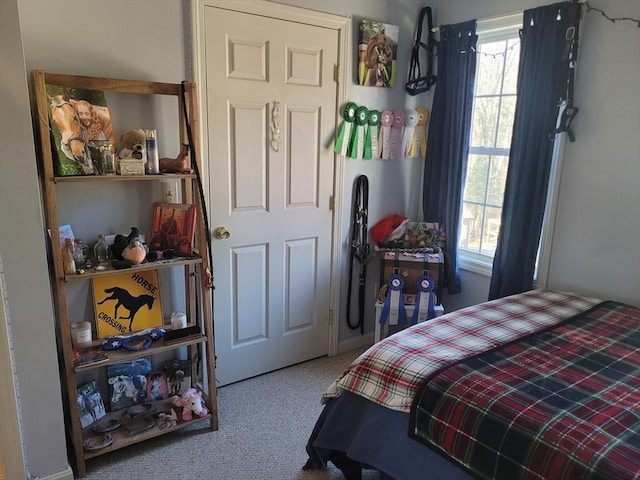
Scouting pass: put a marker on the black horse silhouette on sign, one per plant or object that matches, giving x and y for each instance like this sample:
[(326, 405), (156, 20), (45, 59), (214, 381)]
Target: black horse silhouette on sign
[(128, 301)]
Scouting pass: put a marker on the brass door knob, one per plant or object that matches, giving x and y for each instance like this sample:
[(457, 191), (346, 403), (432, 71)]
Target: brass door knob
[(221, 233)]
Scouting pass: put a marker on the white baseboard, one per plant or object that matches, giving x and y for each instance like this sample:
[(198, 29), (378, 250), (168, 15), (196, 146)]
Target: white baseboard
[(362, 341), (66, 474)]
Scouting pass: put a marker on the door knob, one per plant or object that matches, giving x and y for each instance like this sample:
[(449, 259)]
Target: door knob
[(221, 233)]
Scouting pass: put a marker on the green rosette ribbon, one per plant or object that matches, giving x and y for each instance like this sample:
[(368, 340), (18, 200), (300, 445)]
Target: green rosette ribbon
[(345, 132), (356, 148), (371, 139)]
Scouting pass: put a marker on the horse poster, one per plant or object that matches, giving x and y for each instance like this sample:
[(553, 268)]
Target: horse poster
[(377, 52), (81, 128), (126, 303)]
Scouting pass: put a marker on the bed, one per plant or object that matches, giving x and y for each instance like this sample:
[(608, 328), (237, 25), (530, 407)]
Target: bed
[(542, 384)]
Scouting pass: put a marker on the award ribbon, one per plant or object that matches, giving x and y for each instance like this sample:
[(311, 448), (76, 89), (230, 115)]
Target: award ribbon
[(344, 135), (408, 136), (394, 303), (421, 132), (384, 147), (356, 149), (396, 134), (371, 140), (424, 301)]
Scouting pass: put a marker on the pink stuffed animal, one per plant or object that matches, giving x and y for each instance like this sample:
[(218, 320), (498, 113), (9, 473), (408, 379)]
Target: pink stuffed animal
[(190, 401)]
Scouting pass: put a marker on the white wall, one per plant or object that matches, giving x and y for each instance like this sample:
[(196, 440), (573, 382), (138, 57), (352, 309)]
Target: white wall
[(23, 268), (596, 242)]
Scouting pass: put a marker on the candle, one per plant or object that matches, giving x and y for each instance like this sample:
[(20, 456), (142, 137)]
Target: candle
[(81, 334), (178, 320)]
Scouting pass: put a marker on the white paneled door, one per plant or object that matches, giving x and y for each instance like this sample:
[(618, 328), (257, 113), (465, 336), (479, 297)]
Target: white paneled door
[(270, 105)]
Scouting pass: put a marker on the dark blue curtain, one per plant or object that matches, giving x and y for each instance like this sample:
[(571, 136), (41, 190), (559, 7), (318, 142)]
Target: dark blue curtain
[(448, 138), (542, 83)]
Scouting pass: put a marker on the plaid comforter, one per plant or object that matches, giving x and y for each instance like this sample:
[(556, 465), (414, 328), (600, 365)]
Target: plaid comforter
[(391, 371), (560, 404)]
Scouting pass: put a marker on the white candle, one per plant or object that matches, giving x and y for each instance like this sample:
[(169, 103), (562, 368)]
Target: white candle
[(81, 334)]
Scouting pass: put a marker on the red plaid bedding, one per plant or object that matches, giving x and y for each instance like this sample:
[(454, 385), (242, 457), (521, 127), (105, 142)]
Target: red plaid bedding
[(563, 403), (391, 371)]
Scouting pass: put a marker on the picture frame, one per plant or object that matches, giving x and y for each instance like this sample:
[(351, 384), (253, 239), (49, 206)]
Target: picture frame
[(126, 303), (90, 403), (81, 129), (173, 228), (157, 386), (377, 53)]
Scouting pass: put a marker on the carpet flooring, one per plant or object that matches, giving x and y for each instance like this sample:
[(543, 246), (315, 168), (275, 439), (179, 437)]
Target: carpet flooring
[(264, 425)]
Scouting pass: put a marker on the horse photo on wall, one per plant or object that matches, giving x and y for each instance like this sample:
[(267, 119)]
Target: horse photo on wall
[(81, 129), (126, 303), (377, 52)]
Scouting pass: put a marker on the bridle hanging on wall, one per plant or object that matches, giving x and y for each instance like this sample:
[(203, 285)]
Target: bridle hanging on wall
[(419, 83), (359, 248)]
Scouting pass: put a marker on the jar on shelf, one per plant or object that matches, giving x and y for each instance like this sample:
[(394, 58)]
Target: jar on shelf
[(101, 252), (80, 253)]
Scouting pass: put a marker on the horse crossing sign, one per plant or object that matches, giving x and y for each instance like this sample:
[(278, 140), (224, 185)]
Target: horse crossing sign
[(126, 303)]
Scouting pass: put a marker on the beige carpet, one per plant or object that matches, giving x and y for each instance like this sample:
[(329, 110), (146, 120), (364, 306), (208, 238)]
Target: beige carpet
[(265, 423)]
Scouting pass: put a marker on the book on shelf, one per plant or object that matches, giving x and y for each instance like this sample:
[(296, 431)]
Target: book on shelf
[(173, 227), (128, 383), (90, 355), (90, 403)]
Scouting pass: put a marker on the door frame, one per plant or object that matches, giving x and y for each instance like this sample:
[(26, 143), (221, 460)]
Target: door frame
[(310, 17)]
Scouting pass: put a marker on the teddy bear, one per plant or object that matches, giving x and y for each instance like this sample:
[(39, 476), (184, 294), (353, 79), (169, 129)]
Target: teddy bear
[(133, 142), (191, 402)]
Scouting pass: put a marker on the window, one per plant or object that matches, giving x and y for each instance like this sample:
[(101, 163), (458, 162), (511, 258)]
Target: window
[(492, 123)]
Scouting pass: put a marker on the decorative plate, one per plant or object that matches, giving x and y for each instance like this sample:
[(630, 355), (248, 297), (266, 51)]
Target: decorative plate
[(96, 443), (146, 408), (106, 426), (139, 424)]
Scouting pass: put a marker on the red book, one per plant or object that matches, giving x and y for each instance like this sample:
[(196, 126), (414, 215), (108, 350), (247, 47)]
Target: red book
[(173, 228)]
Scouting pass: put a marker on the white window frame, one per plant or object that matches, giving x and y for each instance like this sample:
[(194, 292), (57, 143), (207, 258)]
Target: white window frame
[(495, 29)]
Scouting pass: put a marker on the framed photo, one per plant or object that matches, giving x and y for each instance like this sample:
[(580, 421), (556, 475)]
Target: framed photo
[(173, 227), (90, 403), (377, 52), (157, 386), (127, 302), (81, 127)]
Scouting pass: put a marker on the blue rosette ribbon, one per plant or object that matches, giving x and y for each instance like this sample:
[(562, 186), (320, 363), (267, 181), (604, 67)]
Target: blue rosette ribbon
[(393, 309), (424, 309)]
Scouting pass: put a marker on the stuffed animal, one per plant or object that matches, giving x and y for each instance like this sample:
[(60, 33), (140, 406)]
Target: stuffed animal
[(133, 142), (190, 401), (135, 251)]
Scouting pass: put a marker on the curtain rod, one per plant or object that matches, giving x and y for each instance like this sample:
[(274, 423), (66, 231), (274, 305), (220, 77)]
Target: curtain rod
[(501, 16)]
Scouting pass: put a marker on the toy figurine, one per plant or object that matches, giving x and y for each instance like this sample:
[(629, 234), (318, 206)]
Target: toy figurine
[(68, 263)]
